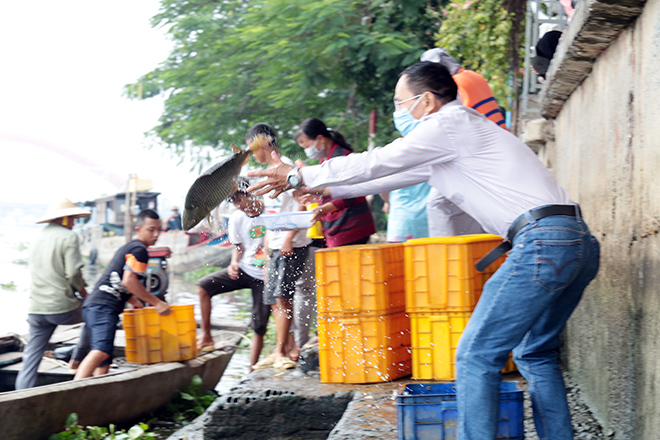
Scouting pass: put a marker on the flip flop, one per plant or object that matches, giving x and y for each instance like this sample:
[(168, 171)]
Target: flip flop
[(266, 362), (206, 349), (284, 363)]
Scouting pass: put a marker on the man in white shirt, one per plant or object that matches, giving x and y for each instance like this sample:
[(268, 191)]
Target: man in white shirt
[(495, 178), (244, 272)]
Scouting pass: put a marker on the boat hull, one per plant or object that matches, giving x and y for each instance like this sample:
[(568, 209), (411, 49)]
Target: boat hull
[(115, 398)]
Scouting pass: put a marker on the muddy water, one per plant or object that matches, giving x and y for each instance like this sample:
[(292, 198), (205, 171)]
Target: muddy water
[(14, 276), (229, 305)]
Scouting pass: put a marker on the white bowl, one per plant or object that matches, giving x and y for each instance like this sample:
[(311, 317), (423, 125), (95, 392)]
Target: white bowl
[(287, 221)]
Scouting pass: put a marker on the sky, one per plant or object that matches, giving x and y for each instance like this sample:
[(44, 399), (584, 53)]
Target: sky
[(65, 128)]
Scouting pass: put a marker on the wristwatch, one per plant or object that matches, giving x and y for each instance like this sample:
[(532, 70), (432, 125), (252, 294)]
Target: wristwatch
[(294, 179)]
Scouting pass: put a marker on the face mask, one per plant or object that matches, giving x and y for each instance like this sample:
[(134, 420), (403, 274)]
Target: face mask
[(404, 121), (314, 153)]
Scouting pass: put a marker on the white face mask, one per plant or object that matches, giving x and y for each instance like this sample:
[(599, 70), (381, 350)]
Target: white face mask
[(314, 153)]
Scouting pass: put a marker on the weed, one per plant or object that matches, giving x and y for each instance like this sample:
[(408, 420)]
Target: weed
[(196, 275), (74, 432), (8, 286), (188, 403)]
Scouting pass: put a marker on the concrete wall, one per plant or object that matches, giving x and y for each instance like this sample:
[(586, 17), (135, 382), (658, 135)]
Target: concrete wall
[(607, 154)]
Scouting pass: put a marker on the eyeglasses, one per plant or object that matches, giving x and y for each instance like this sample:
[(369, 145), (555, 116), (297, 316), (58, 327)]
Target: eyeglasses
[(397, 103)]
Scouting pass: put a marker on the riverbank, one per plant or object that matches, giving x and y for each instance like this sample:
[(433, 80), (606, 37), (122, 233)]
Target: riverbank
[(289, 405)]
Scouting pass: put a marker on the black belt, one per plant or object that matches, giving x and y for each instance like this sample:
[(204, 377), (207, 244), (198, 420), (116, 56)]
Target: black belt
[(537, 214)]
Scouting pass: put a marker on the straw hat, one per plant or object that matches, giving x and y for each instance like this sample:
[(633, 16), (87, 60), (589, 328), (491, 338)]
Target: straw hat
[(63, 208)]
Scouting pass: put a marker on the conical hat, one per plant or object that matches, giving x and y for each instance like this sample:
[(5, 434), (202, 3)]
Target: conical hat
[(63, 208)]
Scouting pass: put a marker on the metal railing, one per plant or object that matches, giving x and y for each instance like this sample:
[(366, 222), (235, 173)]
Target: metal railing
[(541, 16)]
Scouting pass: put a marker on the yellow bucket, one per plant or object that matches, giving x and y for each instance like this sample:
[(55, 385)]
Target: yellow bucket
[(316, 231)]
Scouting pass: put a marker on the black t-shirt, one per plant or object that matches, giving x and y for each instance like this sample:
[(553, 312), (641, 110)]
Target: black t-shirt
[(109, 290)]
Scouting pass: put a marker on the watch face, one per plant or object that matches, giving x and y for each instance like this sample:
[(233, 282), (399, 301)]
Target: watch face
[(294, 179)]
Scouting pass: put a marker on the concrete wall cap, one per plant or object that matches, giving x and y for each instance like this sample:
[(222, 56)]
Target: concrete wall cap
[(595, 25)]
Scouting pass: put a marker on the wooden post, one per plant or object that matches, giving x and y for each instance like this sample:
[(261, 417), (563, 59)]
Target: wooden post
[(372, 129), (130, 200)]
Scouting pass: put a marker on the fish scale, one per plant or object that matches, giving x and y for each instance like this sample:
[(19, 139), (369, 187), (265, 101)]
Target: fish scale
[(212, 188)]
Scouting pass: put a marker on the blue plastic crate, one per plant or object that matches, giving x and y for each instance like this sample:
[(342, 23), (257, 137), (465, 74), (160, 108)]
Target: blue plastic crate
[(428, 412)]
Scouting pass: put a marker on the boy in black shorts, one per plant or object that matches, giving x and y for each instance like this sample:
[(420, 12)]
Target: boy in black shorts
[(119, 282), (244, 272)]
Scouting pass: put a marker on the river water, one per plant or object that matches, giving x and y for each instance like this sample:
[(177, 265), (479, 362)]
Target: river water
[(15, 241)]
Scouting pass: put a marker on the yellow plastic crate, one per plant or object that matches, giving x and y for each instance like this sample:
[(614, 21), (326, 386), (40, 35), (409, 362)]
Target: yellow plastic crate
[(364, 349), (361, 279), (151, 338), (434, 340), (440, 273)]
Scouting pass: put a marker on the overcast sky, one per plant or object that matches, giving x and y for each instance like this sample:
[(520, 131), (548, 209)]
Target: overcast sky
[(65, 128)]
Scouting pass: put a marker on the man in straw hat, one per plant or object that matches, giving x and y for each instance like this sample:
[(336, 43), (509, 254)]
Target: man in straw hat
[(55, 269)]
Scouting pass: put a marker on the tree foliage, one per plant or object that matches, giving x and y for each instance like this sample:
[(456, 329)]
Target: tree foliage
[(237, 62), (484, 35)]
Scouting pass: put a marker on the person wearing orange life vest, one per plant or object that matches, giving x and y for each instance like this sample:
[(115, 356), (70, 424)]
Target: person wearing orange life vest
[(472, 87), (445, 218)]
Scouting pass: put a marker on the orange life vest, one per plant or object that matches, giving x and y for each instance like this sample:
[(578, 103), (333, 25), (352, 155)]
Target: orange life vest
[(475, 93)]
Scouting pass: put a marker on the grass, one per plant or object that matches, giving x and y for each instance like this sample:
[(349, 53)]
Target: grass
[(198, 274), (8, 286)]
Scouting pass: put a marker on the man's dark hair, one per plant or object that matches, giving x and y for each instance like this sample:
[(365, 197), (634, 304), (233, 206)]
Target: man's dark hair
[(428, 76), (312, 127), (261, 128), (144, 215), (242, 184)]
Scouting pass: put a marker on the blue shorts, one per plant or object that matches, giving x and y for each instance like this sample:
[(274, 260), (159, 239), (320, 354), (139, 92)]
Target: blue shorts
[(101, 322)]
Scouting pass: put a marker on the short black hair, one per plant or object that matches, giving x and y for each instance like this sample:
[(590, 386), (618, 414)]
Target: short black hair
[(428, 76), (261, 128), (144, 215)]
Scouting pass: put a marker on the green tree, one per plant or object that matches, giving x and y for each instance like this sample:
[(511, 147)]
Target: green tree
[(279, 61), (485, 36)]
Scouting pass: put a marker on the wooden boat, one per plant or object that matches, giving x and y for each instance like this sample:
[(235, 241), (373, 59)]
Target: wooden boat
[(128, 392)]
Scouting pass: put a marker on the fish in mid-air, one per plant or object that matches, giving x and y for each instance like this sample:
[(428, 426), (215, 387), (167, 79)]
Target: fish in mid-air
[(216, 184)]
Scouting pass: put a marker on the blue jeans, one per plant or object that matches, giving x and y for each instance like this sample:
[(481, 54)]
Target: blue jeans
[(524, 306)]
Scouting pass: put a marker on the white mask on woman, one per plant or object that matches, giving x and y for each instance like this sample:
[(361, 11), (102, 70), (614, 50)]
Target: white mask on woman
[(314, 153)]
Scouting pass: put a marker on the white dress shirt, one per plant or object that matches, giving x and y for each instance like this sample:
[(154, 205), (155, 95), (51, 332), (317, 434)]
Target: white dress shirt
[(389, 183), (484, 170)]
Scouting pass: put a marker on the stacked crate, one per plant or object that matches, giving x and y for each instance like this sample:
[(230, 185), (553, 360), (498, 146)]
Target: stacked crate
[(442, 289), (364, 331)]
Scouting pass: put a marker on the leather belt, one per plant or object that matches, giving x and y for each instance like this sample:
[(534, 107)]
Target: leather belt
[(537, 214)]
